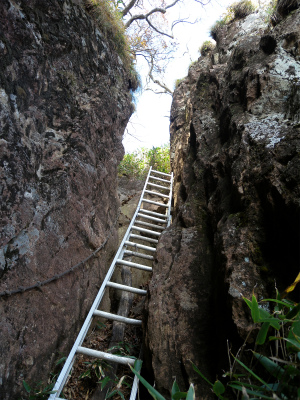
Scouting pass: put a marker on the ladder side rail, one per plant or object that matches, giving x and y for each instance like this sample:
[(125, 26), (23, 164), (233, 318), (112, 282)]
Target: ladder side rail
[(61, 380), (170, 201)]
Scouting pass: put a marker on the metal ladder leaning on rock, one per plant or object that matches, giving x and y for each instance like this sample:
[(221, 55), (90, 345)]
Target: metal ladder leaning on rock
[(156, 180)]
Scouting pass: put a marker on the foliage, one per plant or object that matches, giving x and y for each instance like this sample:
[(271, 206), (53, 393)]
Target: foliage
[(178, 82), (97, 370), (278, 374), (109, 19), (41, 391), (235, 11), (241, 9), (38, 391), (206, 48), (176, 394), (218, 25), (137, 163)]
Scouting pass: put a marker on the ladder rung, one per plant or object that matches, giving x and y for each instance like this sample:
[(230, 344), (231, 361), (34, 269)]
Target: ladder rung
[(159, 179), (155, 202), (158, 186), (161, 173), (105, 356), (134, 265), (157, 194), (140, 237), (153, 213), (126, 288), (152, 218), (119, 318), (137, 228), (140, 246), (135, 254), (161, 228)]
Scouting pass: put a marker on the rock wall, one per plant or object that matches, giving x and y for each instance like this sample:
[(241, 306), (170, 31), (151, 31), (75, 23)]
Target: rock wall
[(235, 145), (64, 104)]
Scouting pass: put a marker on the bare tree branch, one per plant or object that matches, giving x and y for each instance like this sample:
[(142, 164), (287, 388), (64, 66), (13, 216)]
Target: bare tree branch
[(145, 16), (156, 81), (128, 7), (157, 30)]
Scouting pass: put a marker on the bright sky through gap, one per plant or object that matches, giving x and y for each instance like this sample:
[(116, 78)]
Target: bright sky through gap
[(149, 125)]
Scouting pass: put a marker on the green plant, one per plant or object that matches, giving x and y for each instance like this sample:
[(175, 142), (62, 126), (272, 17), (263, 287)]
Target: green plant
[(122, 349), (39, 391), (178, 81), (241, 9), (217, 26), (279, 374), (107, 15), (176, 394), (118, 388), (206, 48), (137, 163), (235, 11)]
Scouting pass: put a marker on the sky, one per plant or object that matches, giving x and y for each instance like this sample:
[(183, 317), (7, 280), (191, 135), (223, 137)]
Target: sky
[(149, 125)]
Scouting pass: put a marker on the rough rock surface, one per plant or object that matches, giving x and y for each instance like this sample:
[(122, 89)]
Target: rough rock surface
[(64, 104), (235, 145)]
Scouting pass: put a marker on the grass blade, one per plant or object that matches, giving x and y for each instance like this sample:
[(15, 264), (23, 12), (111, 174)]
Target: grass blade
[(154, 393), (200, 373), (252, 373)]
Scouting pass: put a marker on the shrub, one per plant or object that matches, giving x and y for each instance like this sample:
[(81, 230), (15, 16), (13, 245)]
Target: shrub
[(137, 163), (178, 81), (217, 26), (241, 9), (206, 48), (109, 19), (235, 11)]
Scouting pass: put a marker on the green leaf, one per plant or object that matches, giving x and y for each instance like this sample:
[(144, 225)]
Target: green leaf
[(254, 309), (60, 360), (175, 388), (262, 334), (248, 302), (179, 396), (252, 373), (273, 368), (191, 393), (240, 387), (249, 385), (200, 373), (138, 365), (295, 344), (120, 394), (218, 388), (86, 373), (104, 382), (27, 387), (154, 393), (111, 394), (295, 310), (284, 303), (294, 334)]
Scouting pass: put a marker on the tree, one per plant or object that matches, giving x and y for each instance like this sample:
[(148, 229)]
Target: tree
[(150, 35)]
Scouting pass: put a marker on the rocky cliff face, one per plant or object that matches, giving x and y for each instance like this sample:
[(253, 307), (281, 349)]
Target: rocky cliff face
[(235, 144), (64, 104)]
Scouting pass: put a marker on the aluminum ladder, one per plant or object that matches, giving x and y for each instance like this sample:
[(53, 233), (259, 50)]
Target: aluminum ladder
[(157, 184)]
